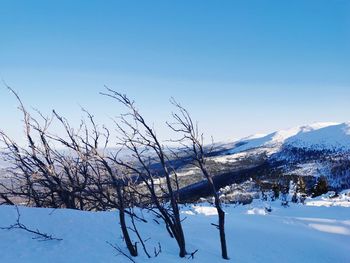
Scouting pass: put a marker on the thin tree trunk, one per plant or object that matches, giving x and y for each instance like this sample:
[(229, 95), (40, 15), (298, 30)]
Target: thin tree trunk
[(221, 213), (179, 235), (132, 249)]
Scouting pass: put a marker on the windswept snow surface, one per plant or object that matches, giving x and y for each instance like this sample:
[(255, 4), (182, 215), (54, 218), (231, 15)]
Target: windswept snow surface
[(342, 199), (324, 136), (299, 233)]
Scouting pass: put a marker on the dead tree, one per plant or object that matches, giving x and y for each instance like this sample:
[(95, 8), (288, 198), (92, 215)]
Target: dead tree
[(139, 138), (85, 176), (40, 174), (75, 176), (31, 174), (193, 144), (102, 170)]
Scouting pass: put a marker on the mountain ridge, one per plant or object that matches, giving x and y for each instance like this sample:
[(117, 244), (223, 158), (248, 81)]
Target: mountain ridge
[(320, 135)]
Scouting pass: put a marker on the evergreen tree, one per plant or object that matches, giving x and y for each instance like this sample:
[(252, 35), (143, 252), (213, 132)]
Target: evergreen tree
[(321, 187), (301, 189)]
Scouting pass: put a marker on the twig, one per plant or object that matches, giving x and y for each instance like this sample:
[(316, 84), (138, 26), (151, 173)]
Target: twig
[(217, 226), (121, 252), (39, 235), (157, 251), (191, 256)]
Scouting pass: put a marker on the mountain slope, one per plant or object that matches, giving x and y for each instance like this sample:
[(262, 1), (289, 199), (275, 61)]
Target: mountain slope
[(324, 136), (309, 151)]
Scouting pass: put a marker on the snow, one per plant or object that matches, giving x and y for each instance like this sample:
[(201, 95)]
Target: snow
[(298, 233), (329, 137), (331, 229), (257, 211), (186, 173), (205, 210), (312, 168), (230, 158), (322, 135), (342, 200)]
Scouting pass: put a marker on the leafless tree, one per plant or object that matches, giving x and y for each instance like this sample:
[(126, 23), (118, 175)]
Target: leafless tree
[(139, 138), (42, 175), (83, 173), (193, 144), (75, 176), (104, 173)]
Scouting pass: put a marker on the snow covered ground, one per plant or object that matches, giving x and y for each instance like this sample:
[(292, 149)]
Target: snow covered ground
[(316, 232)]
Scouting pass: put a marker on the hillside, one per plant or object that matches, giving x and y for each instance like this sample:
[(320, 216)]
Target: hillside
[(322, 136), (310, 151), (311, 233)]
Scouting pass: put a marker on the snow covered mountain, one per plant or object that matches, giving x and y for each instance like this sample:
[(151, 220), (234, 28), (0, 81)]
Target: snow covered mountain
[(309, 151), (320, 136)]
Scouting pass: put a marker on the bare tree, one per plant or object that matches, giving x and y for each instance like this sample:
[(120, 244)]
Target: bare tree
[(84, 174), (32, 169), (140, 139), (193, 144), (103, 173), (77, 176)]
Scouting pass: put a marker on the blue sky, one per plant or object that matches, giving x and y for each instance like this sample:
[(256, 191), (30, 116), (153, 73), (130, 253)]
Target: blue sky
[(241, 67)]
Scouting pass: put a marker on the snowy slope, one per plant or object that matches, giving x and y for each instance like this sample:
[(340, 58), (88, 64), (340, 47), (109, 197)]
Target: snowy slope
[(296, 234), (331, 137), (324, 136)]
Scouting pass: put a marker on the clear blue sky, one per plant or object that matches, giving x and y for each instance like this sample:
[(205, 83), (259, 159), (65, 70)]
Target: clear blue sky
[(241, 67)]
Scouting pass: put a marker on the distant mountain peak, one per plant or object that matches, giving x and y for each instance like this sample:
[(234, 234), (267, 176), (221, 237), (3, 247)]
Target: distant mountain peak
[(320, 135)]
